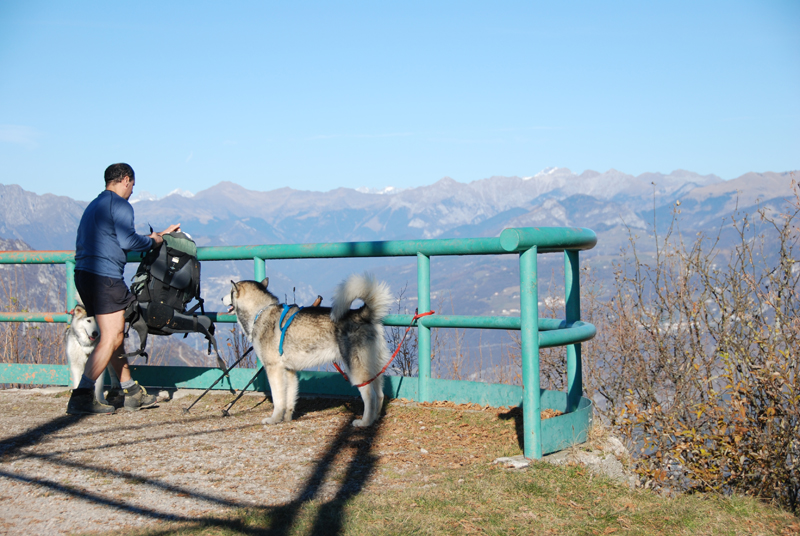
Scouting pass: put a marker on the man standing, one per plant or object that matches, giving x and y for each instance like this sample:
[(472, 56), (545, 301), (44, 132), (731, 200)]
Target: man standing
[(105, 235)]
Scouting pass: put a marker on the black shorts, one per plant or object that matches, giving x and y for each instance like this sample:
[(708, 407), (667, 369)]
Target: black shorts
[(100, 294)]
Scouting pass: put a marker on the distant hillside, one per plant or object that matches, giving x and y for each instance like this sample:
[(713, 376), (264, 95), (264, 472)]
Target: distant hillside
[(43, 221), (613, 204), (36, 287)]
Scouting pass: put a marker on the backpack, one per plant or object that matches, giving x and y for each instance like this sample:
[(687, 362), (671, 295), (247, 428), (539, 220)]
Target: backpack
[(167, 280)]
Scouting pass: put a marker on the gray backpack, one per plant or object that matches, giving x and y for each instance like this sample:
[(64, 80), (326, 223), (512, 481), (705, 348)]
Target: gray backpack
[(167, 280)]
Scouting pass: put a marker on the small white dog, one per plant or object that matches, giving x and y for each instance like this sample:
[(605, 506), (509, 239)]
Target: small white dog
[(80, 339)]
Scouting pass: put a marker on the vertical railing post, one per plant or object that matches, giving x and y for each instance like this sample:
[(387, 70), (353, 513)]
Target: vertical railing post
[(423, 333), (572, 302), (72, 300), (529, 335), (259, 269)]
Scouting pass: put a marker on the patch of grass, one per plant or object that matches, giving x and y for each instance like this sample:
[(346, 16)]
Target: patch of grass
[(483, 499), (531, 487)]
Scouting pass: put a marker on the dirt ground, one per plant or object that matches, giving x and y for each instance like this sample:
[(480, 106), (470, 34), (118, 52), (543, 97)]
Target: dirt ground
[(61, 474)]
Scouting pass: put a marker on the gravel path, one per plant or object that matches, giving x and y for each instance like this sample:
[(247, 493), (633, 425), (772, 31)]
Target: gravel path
[(61, 474)]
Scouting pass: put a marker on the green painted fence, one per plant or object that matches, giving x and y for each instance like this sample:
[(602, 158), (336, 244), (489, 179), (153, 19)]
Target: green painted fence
[(540, 437)]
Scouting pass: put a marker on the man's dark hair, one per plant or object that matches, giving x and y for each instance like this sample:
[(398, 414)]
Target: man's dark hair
[(117, 172)]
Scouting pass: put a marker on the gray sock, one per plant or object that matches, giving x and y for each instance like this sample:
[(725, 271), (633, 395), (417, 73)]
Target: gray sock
[(86, 383), (128, 384)]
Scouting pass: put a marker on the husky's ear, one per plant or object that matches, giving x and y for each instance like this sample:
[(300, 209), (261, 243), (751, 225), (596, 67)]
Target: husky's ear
[(79, 311), (265, 282)]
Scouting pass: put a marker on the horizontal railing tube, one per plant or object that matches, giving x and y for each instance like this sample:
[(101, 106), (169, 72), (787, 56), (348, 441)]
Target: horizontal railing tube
[(547, 239), (36, 257), (510, 241), (552, 332), (577, 332), (398, 248), (35, 317)]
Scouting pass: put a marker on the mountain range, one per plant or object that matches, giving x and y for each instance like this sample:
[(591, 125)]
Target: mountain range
[(613, 204)]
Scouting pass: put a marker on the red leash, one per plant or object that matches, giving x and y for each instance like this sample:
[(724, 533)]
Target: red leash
[(416, 317)]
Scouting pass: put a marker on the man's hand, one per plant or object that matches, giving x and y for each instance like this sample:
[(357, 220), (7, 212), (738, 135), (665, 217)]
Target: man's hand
[(157, 236), (172, 229)]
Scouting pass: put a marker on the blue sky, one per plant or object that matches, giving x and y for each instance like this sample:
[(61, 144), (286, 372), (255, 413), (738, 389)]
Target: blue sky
[(318, 95)]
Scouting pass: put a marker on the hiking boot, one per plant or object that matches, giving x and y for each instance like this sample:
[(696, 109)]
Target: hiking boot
[(116, 397), (136, 397), (82, 402)]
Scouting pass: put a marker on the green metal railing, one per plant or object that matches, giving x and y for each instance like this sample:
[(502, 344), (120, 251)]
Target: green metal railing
[(540, 437)]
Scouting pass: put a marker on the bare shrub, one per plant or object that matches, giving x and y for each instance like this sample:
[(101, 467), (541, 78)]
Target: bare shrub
[(236, 344), (696, 358), (405, 362), (453, 354), (27, 342), (509, 369), (460, 358)]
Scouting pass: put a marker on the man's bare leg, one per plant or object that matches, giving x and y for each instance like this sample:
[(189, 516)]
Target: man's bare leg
[(120, 364)]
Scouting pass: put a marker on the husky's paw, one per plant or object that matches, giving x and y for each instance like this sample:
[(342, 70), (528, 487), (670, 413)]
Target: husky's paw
[(271, 420), (360, 423)]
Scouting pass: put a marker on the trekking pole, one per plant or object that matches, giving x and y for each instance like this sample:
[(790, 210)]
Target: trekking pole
[(241, 393), (186, 410)]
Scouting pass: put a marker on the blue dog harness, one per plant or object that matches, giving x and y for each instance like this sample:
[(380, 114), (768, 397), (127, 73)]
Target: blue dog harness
[(288, 323), (280, 322)]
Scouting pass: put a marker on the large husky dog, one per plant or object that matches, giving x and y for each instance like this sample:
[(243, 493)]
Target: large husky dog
[(315, 336), (80, 338)]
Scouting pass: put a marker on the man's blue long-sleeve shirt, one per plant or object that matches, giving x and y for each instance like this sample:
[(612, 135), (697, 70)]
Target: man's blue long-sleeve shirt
[(106, 234)]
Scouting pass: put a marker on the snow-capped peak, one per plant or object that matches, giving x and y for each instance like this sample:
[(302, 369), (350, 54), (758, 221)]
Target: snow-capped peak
[(546, 171), (147, 196), (143, 196), (542, 173), (386, 191), (182, 193)]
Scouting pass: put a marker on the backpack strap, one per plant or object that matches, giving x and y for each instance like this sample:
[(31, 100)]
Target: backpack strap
[(135, 319), (208, 332)]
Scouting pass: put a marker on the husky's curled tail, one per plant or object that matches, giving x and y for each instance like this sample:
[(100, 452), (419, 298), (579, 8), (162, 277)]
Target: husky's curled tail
[(376, 296), (361, 332)]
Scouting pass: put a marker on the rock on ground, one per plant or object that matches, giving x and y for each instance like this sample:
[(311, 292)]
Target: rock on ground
[(603, 457)]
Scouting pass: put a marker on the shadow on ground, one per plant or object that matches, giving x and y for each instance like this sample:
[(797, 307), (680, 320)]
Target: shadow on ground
[(276, 520)]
